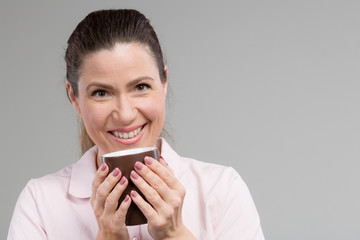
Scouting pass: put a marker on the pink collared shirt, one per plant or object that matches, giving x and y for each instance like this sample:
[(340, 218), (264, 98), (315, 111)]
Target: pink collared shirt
[(217, 204)]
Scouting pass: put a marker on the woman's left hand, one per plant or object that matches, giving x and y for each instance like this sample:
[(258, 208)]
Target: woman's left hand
[(166, 195)]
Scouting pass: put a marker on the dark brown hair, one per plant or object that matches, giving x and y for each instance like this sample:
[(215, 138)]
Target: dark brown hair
[(102, 30)]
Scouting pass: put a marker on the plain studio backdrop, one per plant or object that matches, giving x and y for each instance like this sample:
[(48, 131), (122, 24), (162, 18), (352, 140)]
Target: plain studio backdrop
[(268, 87)]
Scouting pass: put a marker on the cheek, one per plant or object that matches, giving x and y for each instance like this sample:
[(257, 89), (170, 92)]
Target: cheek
[(94, 115), (156, 109)]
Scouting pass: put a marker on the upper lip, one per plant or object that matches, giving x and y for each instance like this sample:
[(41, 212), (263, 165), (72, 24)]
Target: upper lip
[(129, 129)]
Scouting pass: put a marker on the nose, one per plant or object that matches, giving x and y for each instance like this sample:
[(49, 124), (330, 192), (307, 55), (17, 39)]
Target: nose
[(125, 110)]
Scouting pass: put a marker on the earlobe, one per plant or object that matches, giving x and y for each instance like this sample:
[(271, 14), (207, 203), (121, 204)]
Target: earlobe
[(165, 69), (73, 99), (166, 83)]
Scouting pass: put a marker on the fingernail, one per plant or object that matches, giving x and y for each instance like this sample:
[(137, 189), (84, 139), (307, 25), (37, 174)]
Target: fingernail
[(103, 167), (133, 193), (148, 160), (126, 198), (116, 172), (138, 165), (123, 180), (134, 175)]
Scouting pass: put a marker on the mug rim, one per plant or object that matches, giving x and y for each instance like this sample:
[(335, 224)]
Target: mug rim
[(128, 152)]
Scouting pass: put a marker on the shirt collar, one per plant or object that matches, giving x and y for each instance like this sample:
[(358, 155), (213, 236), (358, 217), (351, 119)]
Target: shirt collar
[(84, 170), (169, 155), (82, 174)]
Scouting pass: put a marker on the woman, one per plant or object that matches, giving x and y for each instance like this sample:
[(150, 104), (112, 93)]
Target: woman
[(117, 82)]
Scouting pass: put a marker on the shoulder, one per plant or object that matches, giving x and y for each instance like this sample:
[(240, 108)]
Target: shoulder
[(214, 171), (182, 165), (216, 183), (74, 180), (45, 185), (226, 197), (49, 186), (50, 180), (206, 166), (193, 171), (217, 196), (28, 212)]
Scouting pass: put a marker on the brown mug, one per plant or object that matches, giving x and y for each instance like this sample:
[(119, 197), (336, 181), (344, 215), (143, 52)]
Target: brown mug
[(125, 160)]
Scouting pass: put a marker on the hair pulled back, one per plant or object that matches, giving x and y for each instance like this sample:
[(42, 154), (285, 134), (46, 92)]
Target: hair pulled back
[(102, 30)]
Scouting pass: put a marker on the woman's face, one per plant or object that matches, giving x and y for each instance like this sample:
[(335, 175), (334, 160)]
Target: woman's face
[(121, 99)]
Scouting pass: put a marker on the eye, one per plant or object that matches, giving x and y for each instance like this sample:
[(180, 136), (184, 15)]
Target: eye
[(142, 87), (99, 93)]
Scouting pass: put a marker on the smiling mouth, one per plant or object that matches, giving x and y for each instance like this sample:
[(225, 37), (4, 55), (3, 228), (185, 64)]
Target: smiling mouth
[(127, 135)]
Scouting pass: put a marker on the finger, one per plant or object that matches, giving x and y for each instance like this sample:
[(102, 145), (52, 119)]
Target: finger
[(105, 188), (98, 179), (144, 207), (163, 172), (122, 211), (165, 164), (171, 196), (154, 181), (150, 193), (167, 204), (112, 201)]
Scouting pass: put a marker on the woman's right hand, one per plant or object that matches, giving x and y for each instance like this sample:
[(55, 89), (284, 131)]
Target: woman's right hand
[(106, 192)]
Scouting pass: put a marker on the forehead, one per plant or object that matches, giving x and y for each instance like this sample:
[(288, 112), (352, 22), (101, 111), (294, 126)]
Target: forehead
[(128, 60)]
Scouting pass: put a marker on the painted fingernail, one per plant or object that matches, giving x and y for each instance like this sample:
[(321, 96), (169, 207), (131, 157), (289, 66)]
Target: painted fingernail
[(103, 167), (134, 175), (116, 172), (126, 198), (123, 180), (138, 165), (148, 160), (133, 193)]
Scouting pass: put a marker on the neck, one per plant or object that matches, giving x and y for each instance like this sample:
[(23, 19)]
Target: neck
[(98, 160)]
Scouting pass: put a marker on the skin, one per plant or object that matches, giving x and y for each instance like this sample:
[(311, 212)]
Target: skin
[(120, 89)]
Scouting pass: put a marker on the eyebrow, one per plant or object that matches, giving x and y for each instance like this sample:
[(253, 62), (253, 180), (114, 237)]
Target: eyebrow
[(100, 85), (136, 81), (109, 87)]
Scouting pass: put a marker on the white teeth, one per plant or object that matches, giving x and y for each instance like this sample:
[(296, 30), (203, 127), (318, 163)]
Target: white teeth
[(127, 135)]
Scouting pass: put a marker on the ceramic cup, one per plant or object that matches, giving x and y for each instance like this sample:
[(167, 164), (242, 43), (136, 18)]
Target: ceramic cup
[(125, 160)]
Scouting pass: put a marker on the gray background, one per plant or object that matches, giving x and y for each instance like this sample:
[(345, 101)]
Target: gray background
[(268, 87)]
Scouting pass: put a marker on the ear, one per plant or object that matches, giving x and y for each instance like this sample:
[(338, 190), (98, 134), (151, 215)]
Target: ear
[(165, 84), (72, 97), (165, 69)]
